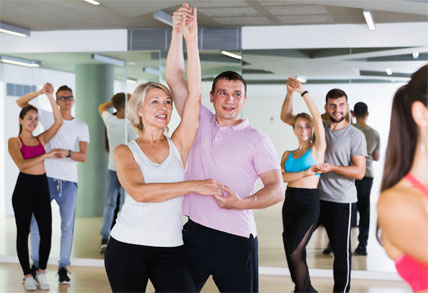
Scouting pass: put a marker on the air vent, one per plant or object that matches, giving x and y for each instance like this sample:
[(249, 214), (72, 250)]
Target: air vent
[(18, 90), (209, 39)]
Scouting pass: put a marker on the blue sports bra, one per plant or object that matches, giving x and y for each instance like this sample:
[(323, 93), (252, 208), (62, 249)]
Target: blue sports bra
[(300, 164)]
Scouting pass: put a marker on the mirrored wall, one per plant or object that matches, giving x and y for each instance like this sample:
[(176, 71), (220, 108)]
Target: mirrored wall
[(360, 72)]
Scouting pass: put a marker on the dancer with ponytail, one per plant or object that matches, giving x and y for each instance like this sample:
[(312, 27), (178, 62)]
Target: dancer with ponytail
[(403, 202), (31, 193)]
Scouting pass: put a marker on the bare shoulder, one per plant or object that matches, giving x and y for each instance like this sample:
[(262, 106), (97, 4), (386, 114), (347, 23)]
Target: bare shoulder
[(14, 141), (122, 152), (285, 155), (400, 202)]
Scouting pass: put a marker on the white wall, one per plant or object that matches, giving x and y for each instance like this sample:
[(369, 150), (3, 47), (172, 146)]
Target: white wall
[(77, 41), (335, 36), (265, 101)]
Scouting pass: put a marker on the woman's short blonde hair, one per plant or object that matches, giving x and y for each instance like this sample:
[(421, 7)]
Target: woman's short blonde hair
[(137, 100)]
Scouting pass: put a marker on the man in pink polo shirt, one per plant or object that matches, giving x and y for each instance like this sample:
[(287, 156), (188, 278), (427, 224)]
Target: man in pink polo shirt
[(220, 237)]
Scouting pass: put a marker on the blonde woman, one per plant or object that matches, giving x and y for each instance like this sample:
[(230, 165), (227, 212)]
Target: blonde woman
[(146, 242), (301, 207)]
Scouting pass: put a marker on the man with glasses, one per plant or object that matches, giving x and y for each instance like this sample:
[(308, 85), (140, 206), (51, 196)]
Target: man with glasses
[(344, 162), (61, 173)]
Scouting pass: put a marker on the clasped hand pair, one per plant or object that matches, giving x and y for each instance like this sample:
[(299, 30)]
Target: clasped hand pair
[(225, 197)]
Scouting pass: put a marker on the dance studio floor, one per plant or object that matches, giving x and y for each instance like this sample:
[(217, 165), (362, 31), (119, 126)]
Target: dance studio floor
[(374, 273)]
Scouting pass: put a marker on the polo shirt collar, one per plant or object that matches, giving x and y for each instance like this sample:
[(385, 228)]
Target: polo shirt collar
[(243, 124)]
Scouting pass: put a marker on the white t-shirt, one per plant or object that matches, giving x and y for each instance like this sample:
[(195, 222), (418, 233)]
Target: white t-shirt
[(116, 134), (67, 137), (156, 224)]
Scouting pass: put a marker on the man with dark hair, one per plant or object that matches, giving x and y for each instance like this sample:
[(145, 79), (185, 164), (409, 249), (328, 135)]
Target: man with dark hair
[(344, 162), (220, 238), (364, 185), (229, 75), (119, 131), (61, 173)]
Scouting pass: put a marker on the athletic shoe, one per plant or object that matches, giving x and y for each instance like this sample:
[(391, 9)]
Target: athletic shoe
[(30, 284), (42, 281), (103, 246), (63, 277), (328, 250), (360, 250), (34, 270)]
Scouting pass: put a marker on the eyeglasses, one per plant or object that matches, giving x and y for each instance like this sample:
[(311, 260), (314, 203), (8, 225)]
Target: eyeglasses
[(63, 98)]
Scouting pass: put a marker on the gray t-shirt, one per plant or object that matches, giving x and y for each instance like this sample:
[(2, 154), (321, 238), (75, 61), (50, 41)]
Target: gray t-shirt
[(342, 145), (373, 144)]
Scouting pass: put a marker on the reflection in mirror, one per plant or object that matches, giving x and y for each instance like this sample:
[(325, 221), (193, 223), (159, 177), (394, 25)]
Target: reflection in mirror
[(94, 78), (369, 75), (77, 71)]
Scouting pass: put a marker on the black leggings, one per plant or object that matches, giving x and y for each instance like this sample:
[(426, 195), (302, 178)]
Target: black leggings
[(130, 266), (300, 214), (31, 195)]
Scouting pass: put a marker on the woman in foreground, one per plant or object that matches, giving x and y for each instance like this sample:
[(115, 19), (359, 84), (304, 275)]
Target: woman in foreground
[(403, 203)]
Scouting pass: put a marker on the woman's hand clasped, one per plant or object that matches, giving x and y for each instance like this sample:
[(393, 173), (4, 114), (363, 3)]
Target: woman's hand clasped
[(209, 187)]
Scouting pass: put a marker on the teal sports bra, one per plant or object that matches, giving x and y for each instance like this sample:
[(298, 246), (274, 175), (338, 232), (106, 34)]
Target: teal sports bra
[(300, 164)]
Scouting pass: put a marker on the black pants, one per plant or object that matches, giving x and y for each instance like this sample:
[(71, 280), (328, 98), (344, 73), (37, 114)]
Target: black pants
[(31, 195), (336, 217), (300, 214), (364, 187), (130, 266), (231, 260)]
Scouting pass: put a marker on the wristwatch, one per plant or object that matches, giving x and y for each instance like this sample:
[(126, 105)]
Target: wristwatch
[(70, 152)]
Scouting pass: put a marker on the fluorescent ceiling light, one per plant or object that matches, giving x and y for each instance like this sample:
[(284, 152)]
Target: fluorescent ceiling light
[(415, 55), (154, 70), (301, 79), (20, 61), (108, 60), (131, 80), (232, 55), (14, 30), (369, 19), (151, 70), (388, 71), (93, 2), (163, 17), (132, 63)]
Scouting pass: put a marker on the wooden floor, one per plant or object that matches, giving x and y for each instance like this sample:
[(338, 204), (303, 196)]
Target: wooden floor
[(90, 279), (271, 254), (269, 228)]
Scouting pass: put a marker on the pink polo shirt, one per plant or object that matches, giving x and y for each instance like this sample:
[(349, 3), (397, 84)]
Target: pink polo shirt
[(234, 156)]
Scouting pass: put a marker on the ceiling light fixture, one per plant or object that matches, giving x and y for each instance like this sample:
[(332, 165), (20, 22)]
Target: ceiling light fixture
[(93, 2), (388, 71), (415, 55), (151, 70), (231, 55), (369, 19), (108, 60), (163, 17), (131, 80), (14, 30), (20, 61), (301, 79)]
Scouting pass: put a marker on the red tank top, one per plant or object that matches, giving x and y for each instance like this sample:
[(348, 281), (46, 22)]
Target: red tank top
[(411, 270), (31, 151)]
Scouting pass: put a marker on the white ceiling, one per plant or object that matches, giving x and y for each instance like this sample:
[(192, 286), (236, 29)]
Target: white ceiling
[(111, 14), (315, 64)]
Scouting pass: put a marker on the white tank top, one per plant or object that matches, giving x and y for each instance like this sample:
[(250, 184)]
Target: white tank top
[(153, 224)]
